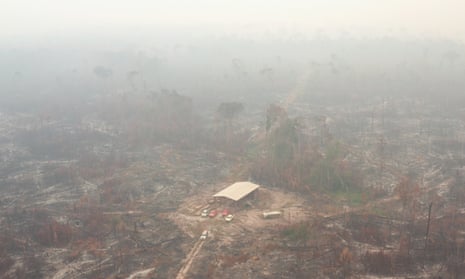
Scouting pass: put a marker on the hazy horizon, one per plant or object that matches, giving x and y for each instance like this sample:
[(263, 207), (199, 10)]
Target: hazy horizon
[(49, 21)]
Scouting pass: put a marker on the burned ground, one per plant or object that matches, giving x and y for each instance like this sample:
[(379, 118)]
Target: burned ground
[(98, 206)]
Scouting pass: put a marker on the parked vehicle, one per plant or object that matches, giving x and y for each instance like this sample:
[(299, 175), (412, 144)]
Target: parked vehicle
[(229, 218), (204, 235), (213, 213), (204, 213), (225, 212), (272, 214)]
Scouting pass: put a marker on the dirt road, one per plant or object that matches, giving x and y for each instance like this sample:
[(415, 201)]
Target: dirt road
[(190, 258)]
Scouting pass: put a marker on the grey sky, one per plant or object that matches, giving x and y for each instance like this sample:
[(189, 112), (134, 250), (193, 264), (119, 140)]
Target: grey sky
[(430, 18)]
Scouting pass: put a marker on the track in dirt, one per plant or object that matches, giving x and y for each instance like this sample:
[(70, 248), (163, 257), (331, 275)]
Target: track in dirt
[(190, 259)]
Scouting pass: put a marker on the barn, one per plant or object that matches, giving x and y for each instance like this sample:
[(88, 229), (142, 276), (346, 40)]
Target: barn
[(237, 193)]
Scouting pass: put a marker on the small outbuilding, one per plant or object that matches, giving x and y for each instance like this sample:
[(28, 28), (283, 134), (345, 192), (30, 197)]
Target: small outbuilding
[(237, 192)]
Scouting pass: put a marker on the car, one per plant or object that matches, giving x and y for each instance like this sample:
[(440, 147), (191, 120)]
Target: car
[(204, 213), (225, 212), (204, 235), (229, 218), (212, 213)]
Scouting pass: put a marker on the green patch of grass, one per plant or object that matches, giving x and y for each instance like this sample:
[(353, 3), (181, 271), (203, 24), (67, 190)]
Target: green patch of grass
[(353, 197), (296, 232), (253, 151), (380, 211)]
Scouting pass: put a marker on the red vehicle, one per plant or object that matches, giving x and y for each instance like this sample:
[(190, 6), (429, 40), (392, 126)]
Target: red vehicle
[(225, 212), (213, 213)]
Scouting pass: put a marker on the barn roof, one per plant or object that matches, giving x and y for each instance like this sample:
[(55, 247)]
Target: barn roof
[(237, 190)]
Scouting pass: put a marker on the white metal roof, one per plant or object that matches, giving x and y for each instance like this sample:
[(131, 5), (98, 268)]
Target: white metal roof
[(237, 190)]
